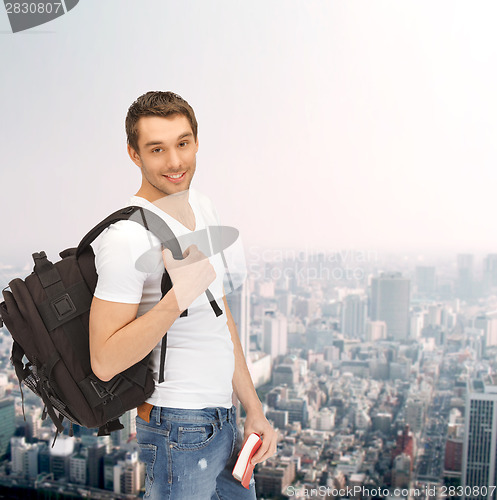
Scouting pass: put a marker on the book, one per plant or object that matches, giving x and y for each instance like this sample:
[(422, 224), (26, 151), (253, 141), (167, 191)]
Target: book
[(243, 468)]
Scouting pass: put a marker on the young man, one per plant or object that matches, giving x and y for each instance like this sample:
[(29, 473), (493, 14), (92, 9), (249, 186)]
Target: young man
[(187, 429)]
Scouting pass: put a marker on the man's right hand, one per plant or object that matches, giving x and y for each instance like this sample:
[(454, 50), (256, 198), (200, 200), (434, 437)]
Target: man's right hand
[(190, 276)]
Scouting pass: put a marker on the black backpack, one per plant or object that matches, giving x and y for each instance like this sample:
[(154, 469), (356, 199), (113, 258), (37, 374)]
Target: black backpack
[(47, 315)]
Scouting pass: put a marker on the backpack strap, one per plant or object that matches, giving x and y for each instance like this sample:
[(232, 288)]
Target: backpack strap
[(152, 222), (146, 218)]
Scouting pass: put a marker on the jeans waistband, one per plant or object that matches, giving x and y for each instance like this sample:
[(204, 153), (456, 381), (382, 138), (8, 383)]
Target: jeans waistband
[(218, 414)]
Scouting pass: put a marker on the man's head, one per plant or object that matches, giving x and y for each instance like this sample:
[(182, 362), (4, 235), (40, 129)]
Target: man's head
[(162, 142), (157, 103)]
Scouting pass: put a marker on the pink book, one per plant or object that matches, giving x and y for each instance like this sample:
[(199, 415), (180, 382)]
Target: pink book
[(243, 468)]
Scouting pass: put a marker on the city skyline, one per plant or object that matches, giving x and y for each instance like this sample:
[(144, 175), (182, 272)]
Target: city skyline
[(329, 124), (359, 401)]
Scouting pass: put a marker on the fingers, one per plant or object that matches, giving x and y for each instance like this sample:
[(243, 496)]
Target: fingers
[(192, 252), (190, 275), (267, 449), (192, 249), (167, 257)]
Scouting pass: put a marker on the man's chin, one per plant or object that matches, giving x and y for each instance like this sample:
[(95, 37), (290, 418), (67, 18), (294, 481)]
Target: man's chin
[(176, 188)]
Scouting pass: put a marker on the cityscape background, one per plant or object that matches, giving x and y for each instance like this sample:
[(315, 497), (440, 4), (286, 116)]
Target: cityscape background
[(379, 376), (353, 145)]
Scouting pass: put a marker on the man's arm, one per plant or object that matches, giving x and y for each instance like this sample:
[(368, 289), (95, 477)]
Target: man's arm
[(118, 339), (245, 391)]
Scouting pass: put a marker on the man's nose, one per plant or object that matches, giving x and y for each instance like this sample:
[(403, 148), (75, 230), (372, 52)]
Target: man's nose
[(173, 159)]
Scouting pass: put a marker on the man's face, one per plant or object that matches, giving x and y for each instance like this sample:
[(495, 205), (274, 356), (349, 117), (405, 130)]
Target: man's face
[(167, 150)]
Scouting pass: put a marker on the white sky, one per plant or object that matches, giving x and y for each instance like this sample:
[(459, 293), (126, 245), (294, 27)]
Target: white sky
[(328, 124)]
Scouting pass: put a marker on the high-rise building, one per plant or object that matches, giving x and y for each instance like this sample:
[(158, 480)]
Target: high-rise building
[(274, 476), (278, 417), (275, 334), (296, 408), (490, 272), (415, 413), (375, 330), (354, 314), (33, 422), (78, 468), (390, 303), (128, 420), (127, 476), (96, 454), (465, 276), (24, 458), (110, 461), (416, 324), (453, 454), (488, 323), (401, 471), (7, 423), (17, 451), (479, 466), (239, 304), (425, 280), (60, 456)]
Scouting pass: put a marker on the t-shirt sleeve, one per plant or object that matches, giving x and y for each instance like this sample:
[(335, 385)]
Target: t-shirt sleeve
[(119, 277)]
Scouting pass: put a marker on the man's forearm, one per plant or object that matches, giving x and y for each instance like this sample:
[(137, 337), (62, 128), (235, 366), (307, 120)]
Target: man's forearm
[(245, 391), (112, 354)]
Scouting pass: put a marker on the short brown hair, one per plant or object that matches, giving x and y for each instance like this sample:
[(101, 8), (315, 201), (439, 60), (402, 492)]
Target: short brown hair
[(157, 103)]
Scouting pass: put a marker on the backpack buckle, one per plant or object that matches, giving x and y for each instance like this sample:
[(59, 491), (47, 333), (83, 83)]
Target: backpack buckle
[(63, 306), (103, 391), (99, 389)]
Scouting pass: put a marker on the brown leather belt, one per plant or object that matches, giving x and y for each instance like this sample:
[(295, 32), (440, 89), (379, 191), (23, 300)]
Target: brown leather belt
[(144, 411)]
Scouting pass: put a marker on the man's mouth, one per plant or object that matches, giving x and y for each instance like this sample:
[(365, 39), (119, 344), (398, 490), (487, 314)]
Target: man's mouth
[(175, 177)]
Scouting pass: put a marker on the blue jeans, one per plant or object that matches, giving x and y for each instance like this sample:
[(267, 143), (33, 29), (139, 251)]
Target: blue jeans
[(190, 454)]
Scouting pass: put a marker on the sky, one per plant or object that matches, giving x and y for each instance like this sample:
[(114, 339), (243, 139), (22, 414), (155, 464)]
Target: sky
[(322, 124)]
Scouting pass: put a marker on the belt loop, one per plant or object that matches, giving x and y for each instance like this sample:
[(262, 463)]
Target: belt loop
[(219, 417), (157, 414), (228, 414)]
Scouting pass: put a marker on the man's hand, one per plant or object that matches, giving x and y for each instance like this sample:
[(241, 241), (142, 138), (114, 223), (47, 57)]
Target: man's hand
[(190, 276), (257, 422)]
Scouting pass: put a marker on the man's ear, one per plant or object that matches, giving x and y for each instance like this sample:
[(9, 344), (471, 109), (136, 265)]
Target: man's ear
[(135, 157), (196, 149)]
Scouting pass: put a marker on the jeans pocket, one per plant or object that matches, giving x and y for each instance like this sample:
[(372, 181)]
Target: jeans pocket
[(147, 455), (195, 436)]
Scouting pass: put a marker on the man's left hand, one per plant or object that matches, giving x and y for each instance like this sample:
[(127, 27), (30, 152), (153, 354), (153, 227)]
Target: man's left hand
[(258, 423)]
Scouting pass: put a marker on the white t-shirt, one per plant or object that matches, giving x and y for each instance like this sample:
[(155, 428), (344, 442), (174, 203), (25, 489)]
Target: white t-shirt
[(199, 362)]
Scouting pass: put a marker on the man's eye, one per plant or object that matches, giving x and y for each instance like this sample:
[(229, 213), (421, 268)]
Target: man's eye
[(183, 144), (156, 149)]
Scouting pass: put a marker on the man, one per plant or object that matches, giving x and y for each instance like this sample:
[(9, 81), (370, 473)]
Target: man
[(187, 429)]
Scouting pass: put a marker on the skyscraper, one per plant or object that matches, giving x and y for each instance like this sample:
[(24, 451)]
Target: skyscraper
[(354, 316), (7, 423), (390, 303), (425, 280), (275, 334), (490, 272), (480, 436), (239, 304), (488, 323), (465, 277)]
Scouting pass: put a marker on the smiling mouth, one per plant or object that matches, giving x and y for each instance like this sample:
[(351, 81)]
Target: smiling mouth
[(175, 177)]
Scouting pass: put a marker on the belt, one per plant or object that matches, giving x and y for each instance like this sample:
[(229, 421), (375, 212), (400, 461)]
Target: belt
[(144, 411)]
